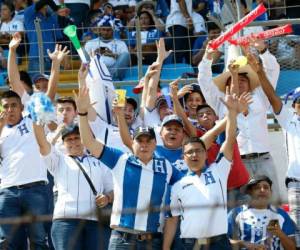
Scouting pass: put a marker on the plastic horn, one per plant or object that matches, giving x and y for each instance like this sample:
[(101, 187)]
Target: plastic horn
[(70, 31)]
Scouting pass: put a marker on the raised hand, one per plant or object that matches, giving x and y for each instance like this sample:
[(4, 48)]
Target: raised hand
[(245, 99), (231, 101), (3, 119), (184, 90), (152, 70), (162, 54), (58, 54), (209, 51), (82, 99), (15, 41), (118, 110), (254, 62), (258, 44), (233, 68), (174, 89), (82, 73)]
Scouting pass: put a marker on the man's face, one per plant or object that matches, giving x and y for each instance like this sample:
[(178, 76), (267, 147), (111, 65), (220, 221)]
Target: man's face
[(261, 193), (244, 84), (214, 33), (41, 85), (193, 101), (129, 113), (67, 112), (73, 145), (143, 147), (106, 33), (5, 13), (206, 118), (164, 110), (172, 135), (13, 107), (194, 156)]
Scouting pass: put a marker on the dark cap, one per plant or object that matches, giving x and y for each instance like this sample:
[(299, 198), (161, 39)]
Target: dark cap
[(160, 100), (171, 118), (73, 129), (149, 131), (195, 88), (255, 180), (132, 101), (37, 77)]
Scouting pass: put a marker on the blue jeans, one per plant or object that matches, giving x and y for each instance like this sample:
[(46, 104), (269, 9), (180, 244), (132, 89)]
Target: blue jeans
[(76, 234), (119, 242), (118, 70), (16, 202), (222, 242)]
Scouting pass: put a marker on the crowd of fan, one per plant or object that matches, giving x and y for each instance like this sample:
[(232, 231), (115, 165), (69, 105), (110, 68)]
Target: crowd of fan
[(109, 28), (171, 166)]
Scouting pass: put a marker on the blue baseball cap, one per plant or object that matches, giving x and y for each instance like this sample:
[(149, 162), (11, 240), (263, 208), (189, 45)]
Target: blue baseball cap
[(172, 118), (37, 77)]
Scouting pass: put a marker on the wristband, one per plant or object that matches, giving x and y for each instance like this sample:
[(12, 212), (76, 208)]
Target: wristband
[(83, 114)]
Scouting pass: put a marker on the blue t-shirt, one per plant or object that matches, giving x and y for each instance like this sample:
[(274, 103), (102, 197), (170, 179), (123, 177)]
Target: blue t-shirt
[(151, 35)]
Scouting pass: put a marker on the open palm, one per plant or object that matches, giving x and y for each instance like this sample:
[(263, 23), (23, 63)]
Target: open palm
[(58, 54), (15, 41)]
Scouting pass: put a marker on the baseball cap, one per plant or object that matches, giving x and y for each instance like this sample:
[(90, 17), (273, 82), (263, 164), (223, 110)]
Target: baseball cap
[(160, 100), (171, 118), (73, 129), (37, 77), (255, 180), (149, 131)]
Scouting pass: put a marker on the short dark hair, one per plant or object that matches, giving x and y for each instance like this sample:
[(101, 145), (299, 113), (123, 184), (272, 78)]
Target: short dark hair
[(203, 106), (67, 99), (10, 94), (212, 26), (194, 140), (11, 7)]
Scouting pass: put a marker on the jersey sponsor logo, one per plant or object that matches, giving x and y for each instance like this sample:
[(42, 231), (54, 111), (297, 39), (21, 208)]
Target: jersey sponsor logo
[(209, 178), (23, 129)]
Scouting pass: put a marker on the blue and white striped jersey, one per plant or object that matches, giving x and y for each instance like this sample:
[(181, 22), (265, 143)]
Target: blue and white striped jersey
[(250, 224), (138, 187)]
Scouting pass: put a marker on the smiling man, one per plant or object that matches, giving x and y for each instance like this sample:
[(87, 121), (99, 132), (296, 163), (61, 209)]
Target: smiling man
[(140, 181)]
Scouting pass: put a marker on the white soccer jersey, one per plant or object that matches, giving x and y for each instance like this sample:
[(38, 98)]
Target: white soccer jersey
[(201, 201), (291, 124), (176, 17), (138, 187), (75, 197), (11, 27), (21, 161)]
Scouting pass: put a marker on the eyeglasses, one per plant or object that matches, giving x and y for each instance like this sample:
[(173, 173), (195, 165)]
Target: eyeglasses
[(196, 151)]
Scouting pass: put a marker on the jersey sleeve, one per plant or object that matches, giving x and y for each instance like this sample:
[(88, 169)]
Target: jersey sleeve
[(176, 175), (151, 118), (110, 156), (288, 227), (53, 160), (223, 166), (175, 201), (284, 116)]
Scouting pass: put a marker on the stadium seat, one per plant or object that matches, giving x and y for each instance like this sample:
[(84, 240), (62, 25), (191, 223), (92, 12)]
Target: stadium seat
[(3, 76), (288, 80), (173, 71)]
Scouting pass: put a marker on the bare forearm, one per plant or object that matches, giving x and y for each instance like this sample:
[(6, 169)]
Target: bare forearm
[(288, 243), (13, 73), (169, 232), (211, 135), (53, 80), (234, 87), (231, 126), (124, 131), (183, 8), (41, 139), (269, 91)]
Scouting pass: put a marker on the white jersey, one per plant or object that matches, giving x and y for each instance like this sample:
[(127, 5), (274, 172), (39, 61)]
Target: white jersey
[(75, 196), (201, 201), (116, 46), (73, 1), (21, 161), (122, 2), (291, 124)]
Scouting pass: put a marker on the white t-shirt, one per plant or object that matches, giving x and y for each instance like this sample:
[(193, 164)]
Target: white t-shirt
[(198, 22), (201, 201), (176, 17), (116, 46), (21, 161), (74, 1), (75, 196), (122, 2), (11, 27), (291, 124)]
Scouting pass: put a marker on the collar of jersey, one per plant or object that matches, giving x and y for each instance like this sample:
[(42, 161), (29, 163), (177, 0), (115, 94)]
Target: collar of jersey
[(10, 126), (192, 173), (79, 158)]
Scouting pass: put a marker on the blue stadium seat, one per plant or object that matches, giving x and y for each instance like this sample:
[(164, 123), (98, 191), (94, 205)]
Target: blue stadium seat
[(131, 73), (173, 71), (288, 80), (3, 76)]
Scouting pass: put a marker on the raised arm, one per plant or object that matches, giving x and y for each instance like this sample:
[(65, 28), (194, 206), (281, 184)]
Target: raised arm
[(188, 126), (44, 145), (265, 83), (122, 124), (162, 54), (12, 67), (82, 101), (82, 74), (56, 56)]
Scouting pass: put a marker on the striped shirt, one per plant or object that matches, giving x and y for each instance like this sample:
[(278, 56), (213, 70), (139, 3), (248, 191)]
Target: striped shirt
[(138, 186), (250, 224), (75, 197)]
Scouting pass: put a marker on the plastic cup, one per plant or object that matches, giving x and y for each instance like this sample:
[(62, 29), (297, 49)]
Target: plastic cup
[(121, 97)]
